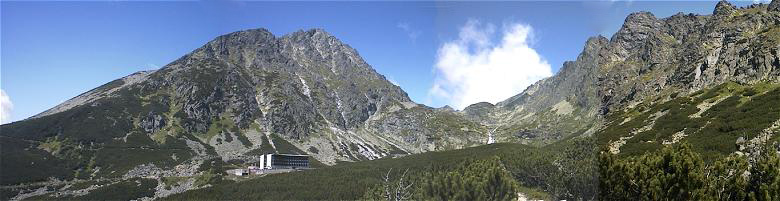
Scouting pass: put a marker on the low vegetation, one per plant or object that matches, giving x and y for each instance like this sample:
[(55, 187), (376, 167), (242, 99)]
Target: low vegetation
[(679, 173), (565, 170), (473, 179), (735, 111), (350, 181)]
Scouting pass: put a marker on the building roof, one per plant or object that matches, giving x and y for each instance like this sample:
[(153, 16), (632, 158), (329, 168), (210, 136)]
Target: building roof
[(290, 154)]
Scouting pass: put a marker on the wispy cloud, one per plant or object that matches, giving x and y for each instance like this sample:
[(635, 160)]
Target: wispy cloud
[(6, 106), (474, 68), (410, 32)]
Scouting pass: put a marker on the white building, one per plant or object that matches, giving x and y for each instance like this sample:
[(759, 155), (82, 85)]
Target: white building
[(284, 161)]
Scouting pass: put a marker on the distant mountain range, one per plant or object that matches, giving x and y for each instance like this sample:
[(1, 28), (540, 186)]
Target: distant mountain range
[(655, 82)]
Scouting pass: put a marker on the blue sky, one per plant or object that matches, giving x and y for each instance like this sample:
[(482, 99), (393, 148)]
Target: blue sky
[(52, 51)]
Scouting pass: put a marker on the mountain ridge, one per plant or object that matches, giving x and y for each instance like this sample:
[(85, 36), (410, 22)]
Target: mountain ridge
[(646, 59)]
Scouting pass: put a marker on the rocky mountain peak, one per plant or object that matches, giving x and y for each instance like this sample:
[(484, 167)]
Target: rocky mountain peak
[(446, 108), (314, 32), (318, 36), (774, 6), (247, 37), (641, 17), (595, 42), (636, 28), (723, 8)]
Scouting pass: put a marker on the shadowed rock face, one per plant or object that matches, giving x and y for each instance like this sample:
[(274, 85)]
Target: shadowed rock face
[(724, 8), (774, 6)]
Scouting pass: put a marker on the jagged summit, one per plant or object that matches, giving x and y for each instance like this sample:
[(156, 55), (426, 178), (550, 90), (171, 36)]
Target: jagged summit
[(723, 8), (262, 34), (774, 6), (639, 17), (311, 32)]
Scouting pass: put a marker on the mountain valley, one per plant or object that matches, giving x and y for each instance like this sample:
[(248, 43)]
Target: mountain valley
[(711, 82)]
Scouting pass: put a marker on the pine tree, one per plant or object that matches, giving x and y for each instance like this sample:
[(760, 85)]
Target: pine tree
[(764, 181)]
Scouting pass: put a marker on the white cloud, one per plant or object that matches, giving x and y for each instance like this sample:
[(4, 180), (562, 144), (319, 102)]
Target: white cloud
[(761, 1), (474, 69), (5, 107), (412, 33)]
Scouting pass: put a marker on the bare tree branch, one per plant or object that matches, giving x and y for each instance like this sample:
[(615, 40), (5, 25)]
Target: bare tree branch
[(387, 185), (402, 190)]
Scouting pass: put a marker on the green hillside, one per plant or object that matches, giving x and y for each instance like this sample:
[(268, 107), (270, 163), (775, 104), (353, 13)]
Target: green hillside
[(711, 120), (352, 180)]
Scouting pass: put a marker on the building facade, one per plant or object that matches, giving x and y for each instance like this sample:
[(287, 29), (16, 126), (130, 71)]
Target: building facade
[(284, 161)]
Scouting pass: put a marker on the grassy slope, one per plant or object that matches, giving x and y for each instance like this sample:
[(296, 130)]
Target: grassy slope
[(738, 111)]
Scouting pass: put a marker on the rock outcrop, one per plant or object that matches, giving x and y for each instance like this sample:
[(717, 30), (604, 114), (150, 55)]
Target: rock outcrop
[(774, 6)]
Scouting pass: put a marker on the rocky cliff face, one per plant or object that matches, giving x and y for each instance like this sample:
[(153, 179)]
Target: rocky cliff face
[(687, 53), (648, 59)]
